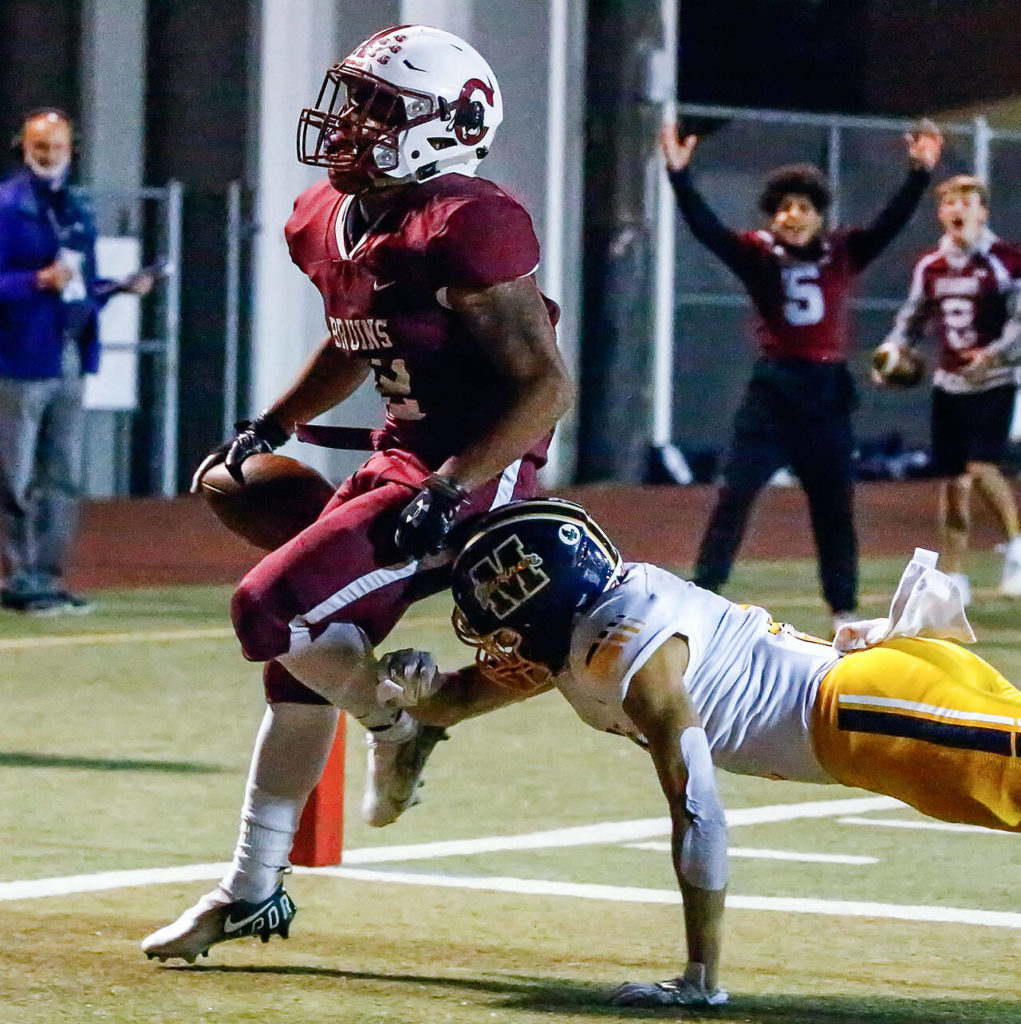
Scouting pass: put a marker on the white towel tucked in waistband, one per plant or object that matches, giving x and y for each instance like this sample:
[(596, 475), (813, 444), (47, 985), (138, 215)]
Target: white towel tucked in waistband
[(926, 604)]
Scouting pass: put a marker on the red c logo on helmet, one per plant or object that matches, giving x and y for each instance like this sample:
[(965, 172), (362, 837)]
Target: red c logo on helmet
[(472, 136)]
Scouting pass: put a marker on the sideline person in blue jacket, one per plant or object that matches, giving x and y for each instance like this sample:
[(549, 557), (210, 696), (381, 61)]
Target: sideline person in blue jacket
[(50, 297)]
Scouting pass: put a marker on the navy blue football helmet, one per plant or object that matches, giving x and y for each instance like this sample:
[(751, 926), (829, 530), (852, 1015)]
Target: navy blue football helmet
[(525, 573)]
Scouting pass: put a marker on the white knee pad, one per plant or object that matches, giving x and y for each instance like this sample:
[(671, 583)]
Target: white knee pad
[(339, 666)]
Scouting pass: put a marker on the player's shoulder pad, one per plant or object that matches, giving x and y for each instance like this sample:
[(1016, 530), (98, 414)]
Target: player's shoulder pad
[(624, 628), (310, 217)]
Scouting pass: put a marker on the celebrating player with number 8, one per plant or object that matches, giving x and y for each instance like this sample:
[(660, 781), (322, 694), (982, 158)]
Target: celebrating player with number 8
[(797, 409)]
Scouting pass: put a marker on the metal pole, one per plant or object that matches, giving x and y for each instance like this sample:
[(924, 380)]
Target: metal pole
[(666, 221), (171, 353), (833, 173), (556, 153), (232, 318), (981, 145)]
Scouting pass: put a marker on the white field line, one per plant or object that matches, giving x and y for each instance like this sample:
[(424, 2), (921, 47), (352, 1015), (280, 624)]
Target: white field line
[(934, 826), (658, 846), (631, 894), (606, 832), (410, 621), (581, 835), (142, 636)]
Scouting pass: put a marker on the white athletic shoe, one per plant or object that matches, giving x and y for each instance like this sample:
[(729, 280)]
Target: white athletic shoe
[(216, 919), (963, 584), (1010, 582), (394, 772)]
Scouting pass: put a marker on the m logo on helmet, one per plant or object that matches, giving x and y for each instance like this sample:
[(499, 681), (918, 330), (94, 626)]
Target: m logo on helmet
[(509, 577)]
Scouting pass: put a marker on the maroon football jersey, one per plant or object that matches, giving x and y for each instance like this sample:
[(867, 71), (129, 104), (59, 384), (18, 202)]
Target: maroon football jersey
[(801, 299), (383, 290), (962, 298)]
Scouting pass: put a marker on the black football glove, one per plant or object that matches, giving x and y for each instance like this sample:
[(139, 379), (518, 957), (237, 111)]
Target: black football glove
[(427, 518), (263, 434)]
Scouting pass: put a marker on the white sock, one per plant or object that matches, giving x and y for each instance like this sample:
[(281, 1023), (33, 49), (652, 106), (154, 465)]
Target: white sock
[(291, 750)]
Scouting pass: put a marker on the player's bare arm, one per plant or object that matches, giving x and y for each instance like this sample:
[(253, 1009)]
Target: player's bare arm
[(511, 324), (658, 704), (329, 377), (676, 150)]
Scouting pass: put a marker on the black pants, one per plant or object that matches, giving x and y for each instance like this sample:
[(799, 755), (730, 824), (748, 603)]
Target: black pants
[(798, 414)]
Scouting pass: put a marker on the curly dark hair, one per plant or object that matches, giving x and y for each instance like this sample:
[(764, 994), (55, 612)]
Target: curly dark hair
[(795, 179)]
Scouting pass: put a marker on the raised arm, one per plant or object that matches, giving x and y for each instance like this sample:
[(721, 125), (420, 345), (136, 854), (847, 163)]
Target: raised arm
[(924, 147), (704, 224), (660, 707)]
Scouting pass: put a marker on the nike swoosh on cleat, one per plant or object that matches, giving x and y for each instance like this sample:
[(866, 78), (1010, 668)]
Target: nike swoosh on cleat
[(230, 926)]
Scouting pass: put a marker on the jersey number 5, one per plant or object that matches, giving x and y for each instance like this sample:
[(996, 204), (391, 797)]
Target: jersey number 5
[(804, 302), (393, 382)]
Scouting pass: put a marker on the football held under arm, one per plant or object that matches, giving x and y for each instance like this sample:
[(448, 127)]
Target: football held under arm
[(660, 707)]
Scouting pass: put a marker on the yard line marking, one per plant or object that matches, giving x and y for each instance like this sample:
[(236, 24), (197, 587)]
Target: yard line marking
[(70, 885), (756, 854), (630, 894), (581, 835), (27, 643), (611, 831), (935, 826)]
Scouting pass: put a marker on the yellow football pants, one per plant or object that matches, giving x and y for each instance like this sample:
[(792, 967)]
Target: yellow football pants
[(927, 722)]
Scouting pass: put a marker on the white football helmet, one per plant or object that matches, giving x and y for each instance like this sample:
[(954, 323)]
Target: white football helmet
[(409, 103)]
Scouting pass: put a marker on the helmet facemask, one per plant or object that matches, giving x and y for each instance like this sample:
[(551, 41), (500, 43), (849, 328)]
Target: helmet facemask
[(355, 127), (499, 659), (406, 105)]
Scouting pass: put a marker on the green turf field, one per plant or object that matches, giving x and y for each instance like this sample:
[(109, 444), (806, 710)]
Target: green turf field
[(124, 743)]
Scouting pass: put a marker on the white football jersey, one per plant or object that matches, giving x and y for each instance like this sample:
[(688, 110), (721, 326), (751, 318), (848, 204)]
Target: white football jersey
[(753, 681)]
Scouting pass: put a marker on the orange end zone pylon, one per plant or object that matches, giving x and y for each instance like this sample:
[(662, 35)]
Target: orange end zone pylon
[(319, 841)]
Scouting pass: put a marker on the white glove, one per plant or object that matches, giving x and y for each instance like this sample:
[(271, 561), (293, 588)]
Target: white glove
[(406, 677), (687, 990)]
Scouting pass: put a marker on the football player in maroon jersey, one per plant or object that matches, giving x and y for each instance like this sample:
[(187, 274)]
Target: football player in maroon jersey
[(797, 408), (965, 292), (427, 278)]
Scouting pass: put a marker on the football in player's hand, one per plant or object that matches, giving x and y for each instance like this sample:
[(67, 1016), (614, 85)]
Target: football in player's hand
[(895, 366), (277, 499)]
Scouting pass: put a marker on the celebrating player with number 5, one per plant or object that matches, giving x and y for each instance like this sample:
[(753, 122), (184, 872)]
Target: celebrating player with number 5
[(427, 277), (797, 409)]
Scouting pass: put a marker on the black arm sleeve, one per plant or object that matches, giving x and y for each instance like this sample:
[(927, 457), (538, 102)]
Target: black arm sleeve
[(707, 227), (865, 244)]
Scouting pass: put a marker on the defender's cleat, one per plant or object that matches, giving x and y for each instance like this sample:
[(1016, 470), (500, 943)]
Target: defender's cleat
[(212, 920), (394, 773)]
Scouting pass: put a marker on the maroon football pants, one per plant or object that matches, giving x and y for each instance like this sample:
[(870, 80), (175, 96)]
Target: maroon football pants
[(345, 567)]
